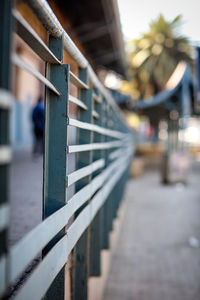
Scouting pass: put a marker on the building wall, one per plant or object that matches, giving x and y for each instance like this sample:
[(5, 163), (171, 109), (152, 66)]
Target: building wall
[(26, 88)]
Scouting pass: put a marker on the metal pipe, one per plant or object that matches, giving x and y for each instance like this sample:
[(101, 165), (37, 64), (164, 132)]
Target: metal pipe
[(45, 14)]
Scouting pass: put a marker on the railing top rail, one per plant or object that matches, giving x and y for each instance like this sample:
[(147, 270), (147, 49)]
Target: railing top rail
[(45, 14)]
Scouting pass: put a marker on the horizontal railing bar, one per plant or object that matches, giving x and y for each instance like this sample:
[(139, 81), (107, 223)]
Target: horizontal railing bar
[(5, 99), (117, 175), (87, 191), (77, 102), (77, 82), (95, 146), (44, 274), (4, 216), (96, 128), (31, 244), (97, 98), (95, 114), (26, 32), (115, 154), (5, 154), (102, 195), (76, 175), (79, 124), (22, 64), (42, 277), (95, 81)]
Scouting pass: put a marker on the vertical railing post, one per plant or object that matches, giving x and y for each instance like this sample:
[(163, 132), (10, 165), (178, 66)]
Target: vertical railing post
[(111, 195), (96, 225), (81, 250), (5, 151), (117, 187), (114, 195), (56, 111), (124, 176), (105, 217)]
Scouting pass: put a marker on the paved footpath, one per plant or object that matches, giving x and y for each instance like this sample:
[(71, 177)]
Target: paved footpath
[(26, 194), (154, 259)]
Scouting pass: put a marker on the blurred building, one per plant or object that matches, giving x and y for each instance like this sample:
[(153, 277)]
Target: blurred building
[(95, 28)]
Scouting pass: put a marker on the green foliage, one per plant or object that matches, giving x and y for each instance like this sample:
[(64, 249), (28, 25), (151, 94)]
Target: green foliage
[(156, 54)]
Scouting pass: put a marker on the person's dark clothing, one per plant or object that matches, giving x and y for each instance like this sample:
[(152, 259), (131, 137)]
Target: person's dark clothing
[(38, 117)]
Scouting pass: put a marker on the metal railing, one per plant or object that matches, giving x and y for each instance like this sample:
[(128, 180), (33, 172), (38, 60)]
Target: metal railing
[(103, 153)]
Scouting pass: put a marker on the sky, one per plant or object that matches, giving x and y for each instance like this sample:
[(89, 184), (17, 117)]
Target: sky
[(135, 16)]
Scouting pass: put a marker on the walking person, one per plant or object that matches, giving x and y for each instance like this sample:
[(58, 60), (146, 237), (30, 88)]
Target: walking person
[(38, 118)]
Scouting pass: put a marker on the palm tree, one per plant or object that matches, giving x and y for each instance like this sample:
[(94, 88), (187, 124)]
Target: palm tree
[(156, 55)]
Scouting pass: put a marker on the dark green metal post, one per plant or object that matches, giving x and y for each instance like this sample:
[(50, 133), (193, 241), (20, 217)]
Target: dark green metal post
[(105, 217), (116, 124), (5, 50), (96, 225), (56, 111), (81, 250), (113, 195)]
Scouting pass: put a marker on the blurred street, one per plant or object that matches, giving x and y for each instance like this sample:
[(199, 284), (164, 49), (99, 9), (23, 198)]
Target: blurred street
[(26, 194), (157, 255)]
